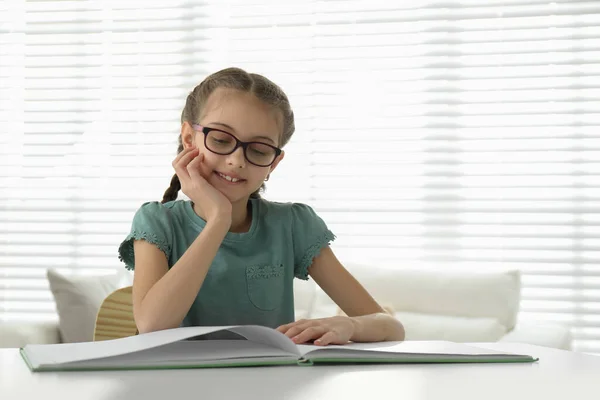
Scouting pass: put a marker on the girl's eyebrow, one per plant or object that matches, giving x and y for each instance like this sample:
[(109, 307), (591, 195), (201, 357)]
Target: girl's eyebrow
[(233, 130)]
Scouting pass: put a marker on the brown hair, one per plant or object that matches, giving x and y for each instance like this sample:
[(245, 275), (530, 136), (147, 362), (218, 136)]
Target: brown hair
[(233, 78)]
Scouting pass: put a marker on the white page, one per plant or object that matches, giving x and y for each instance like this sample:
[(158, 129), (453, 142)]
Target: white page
[(190, 352), (107, 364), (433, 348), (71, 352), (268, 336)]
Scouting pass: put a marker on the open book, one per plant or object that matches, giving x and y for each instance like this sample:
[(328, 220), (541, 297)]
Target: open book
[(173, 348)]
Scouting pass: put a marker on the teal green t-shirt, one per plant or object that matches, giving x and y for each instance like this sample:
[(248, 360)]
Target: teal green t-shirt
[(250, 280)]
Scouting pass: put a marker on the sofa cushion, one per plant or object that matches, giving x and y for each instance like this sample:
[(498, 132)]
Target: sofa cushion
[(541, 334), (19, 334), (304, 297), (78, 300), (441, 292), (455, 329)]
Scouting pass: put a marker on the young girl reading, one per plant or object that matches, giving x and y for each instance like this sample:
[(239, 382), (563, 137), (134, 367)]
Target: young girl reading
[(228, 256)]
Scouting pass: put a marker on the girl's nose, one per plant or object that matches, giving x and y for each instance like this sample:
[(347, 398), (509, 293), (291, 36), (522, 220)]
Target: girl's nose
[(237, 158)]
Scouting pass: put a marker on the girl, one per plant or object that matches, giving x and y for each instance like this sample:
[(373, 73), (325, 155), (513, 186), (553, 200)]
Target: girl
[(227, 256)]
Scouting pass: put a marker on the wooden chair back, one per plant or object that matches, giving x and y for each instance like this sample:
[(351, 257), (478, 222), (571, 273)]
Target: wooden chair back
[(115, 316)]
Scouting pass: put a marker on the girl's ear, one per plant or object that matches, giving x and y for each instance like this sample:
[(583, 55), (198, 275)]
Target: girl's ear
[(277, 161), (187, 135)]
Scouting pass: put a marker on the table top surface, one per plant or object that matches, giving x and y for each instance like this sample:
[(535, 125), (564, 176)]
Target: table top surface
[(557, 375)]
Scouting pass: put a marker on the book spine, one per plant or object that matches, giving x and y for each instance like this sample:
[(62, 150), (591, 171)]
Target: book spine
[(304, 362)]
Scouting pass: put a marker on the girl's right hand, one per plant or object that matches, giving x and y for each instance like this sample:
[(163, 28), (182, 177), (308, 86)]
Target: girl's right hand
[(188, 167)]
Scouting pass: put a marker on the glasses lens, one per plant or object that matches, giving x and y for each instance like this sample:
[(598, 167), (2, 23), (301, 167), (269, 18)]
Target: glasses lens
[(220, 142), (260, 154)]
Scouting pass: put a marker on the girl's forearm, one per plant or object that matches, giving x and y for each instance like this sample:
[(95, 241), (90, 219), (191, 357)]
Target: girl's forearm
[(377, 327), (169, 300)]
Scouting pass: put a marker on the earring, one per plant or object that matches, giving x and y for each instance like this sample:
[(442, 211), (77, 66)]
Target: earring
[(268, 176)]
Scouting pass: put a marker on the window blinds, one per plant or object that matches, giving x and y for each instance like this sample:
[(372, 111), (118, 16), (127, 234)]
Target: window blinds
[(91, 97), (449, 134)]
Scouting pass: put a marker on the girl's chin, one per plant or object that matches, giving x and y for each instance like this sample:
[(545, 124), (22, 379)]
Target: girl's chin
[(233, 193)]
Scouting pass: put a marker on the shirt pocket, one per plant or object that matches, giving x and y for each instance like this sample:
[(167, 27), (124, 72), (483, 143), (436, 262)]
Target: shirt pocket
[(265, 286)]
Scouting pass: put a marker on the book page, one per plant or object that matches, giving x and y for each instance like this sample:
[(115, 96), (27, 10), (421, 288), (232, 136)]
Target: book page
[(267, 336), (72, 352), (399, 349), (192, 351), (307, 348), (53, 354)]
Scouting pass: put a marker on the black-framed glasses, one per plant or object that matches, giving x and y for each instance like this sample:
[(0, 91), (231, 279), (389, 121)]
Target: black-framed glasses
[(224, 143)]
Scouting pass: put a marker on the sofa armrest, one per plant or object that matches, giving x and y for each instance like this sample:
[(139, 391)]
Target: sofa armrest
[(18, 334), (547, 335)]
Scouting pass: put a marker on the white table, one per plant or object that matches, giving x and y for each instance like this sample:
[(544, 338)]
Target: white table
[(558, 375)]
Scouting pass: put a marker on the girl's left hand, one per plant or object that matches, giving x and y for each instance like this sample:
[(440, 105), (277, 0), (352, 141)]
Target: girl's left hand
[(324, 331)]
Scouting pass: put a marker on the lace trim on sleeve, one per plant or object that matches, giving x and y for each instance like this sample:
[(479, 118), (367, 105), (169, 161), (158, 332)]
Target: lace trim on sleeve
[(126, 254), (312, 252)]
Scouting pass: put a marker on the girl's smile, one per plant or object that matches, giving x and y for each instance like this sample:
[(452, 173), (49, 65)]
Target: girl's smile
[(229, 178)]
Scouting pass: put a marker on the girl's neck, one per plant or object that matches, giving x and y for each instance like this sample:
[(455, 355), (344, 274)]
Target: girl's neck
[(241, 217)]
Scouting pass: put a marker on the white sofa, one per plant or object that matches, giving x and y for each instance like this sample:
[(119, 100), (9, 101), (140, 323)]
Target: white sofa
[(459, 306), (432, 305)]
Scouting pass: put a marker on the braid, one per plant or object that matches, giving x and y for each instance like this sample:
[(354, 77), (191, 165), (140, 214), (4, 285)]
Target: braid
[(171, 192)]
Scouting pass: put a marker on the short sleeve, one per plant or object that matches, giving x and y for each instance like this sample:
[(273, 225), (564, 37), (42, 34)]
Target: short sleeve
[(152, 223), (310, 234)]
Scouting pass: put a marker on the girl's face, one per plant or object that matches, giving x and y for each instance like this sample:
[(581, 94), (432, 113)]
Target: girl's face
[(248, 119)]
